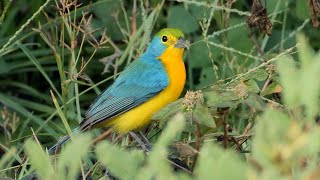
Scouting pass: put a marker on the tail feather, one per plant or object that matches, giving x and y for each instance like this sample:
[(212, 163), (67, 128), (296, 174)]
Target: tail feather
[(56, 147), (62, 140)]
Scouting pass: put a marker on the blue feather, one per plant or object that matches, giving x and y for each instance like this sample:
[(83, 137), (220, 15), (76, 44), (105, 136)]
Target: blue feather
[(139, 82)]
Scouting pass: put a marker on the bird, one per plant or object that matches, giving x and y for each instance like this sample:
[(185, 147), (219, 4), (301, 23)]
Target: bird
[(148, 84)]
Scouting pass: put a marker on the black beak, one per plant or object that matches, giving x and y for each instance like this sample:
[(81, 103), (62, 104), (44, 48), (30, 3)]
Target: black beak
[(181, 43)]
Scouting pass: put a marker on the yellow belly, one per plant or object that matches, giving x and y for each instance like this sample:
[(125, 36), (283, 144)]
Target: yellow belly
[(140, 116)]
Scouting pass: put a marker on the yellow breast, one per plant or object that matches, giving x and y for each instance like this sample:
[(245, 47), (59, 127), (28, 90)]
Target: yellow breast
[(140, 116)]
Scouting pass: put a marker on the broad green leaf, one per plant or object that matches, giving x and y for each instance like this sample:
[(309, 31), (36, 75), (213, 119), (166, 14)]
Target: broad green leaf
[(39, 160), (273, 5), (104, 13), (259, 74), (179, 17), (255, 101), (202, 115), (238, 38), (252, 86), (302, 10), (224, 99), (198, 54), (216, 163), (207, 77)]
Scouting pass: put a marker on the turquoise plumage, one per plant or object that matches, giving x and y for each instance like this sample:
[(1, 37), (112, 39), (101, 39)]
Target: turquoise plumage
[(145, 86), (142, 80)]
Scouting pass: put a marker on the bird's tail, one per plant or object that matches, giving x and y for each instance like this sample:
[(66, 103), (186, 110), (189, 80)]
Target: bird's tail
[(60, 142)]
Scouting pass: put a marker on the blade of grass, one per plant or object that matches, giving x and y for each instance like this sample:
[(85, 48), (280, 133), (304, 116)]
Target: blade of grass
[(39, 67), (4, 99), (63, 118)]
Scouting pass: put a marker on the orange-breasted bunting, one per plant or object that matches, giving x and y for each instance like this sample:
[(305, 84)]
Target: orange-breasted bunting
[(143, 88)]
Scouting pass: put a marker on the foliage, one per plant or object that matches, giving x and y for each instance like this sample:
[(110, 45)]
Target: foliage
[(251, 100)]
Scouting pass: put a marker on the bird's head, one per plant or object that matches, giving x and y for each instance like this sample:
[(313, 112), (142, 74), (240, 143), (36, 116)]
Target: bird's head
[(167, 38)]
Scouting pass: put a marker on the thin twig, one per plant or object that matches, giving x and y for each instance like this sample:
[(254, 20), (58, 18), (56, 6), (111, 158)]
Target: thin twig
[(102, 136)]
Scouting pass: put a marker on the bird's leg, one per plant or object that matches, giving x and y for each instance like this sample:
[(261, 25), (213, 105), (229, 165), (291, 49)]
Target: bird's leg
[(146, 146)]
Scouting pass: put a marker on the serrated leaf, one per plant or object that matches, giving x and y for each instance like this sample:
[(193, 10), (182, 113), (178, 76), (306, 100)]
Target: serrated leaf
[(252, 86), (202, 115), (123, 164), (259, 74), (39, 160), (305, 51), (71, 156), (289, 78), (158, 166), (270, 131), (215, 163), (225, 99), (255, 101)]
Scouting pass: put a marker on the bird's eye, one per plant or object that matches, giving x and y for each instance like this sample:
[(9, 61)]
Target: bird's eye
[(164, 38)]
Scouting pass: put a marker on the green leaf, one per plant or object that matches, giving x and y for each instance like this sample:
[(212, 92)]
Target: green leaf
[(306, 53), (301, 86), (123, 164), (4, 68), (252, 86), (215, 163), (203, 116), (198, 53), (105, 19), (238, 39), (255, 101), (207, 77), (259, 74), (289, 78), (158, 165), (273, 5), (39, 67), (274, 87), (39, 160), (270, 130), (224, 99), (302, 10), (179, 17), (69, 162), (169, 110), (6, 100)]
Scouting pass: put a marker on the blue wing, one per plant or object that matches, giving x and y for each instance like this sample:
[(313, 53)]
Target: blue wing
[(140, 81)]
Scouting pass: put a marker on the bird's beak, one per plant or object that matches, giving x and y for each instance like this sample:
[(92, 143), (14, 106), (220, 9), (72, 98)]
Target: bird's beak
[(181, 43)]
